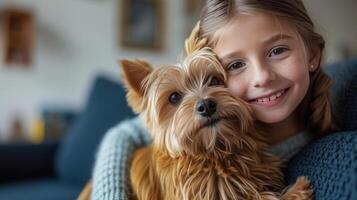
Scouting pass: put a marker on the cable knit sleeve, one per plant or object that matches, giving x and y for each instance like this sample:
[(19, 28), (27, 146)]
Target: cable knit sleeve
[(331, 165), (111, 170)]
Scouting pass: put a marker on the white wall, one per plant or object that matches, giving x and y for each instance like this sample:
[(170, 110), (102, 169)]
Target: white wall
[(76, 39)]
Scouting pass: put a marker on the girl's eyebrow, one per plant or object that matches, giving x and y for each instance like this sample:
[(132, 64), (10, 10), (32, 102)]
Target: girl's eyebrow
[(270, 40), (276, 38)]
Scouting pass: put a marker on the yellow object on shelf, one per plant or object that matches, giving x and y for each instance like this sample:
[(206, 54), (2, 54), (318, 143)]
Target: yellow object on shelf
[(37, 131)]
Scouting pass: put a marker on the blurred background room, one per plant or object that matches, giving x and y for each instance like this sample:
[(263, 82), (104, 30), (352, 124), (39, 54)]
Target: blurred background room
[(53, 51)]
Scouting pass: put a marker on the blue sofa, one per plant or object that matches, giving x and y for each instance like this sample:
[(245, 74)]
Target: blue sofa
[(54, 171), (59, 171)]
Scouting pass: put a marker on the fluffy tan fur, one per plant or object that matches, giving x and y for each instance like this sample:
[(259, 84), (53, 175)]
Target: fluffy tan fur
[(195, 157)]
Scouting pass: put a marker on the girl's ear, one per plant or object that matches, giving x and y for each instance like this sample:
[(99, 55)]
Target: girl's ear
[(314, 59), (133, 73)]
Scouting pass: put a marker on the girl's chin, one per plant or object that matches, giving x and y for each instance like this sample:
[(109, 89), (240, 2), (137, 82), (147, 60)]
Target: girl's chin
[(271, 116)]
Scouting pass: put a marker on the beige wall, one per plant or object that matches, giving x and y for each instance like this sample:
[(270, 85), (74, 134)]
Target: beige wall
[(336, 20)]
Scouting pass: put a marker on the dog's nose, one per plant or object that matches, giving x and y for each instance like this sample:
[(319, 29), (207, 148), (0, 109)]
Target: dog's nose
[(206, 107)]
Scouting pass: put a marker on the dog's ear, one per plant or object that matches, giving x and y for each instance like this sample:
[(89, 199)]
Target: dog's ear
[(195, 42), (133, 73)]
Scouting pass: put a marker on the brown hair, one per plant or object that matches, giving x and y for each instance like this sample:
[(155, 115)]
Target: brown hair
[(217, 13)]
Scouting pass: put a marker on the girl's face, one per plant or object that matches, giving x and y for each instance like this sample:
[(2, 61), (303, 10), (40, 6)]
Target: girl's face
[(266, 64)]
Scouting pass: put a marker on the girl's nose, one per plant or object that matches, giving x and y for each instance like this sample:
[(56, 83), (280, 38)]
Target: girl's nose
[(263, 75)]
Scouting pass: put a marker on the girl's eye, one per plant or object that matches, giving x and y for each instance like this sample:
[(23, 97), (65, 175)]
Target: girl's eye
[(215, 81), (277, 51), (175, 98), (235, 65)]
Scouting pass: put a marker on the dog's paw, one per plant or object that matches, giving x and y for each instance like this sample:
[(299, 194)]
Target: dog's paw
[(303, 183), (301, 190)]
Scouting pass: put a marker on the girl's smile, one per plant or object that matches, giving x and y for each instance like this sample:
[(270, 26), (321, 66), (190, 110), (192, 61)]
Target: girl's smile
[(270, 100)]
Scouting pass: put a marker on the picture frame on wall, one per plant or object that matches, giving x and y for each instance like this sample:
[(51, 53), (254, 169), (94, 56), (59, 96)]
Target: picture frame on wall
[(142, 24)]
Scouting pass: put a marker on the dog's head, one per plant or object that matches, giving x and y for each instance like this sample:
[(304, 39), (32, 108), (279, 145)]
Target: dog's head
[(187, 108)]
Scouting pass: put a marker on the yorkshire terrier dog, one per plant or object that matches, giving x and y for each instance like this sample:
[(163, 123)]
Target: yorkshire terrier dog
[(205, 144)]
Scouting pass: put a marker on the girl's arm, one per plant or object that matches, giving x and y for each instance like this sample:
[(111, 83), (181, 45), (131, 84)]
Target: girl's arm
[(111, 170)]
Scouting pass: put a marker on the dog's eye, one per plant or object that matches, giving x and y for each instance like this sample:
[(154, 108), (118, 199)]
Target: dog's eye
[(215, 81), (175, 98)]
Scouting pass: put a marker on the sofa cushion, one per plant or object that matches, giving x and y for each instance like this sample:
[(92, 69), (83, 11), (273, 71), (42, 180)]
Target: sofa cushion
[(38, 159), (344, 93), (49, 189), (106, 106)]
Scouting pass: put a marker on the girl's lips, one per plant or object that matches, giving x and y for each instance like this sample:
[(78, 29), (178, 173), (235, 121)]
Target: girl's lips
[(270, 102)]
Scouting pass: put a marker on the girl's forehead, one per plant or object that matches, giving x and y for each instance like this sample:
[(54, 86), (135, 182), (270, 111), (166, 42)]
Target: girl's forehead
[(245, 30)]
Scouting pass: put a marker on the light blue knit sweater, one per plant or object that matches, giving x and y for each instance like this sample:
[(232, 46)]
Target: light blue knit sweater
[(111, 171)]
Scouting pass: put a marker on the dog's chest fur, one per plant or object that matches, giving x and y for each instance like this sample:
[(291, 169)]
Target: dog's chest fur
[(189, 178)]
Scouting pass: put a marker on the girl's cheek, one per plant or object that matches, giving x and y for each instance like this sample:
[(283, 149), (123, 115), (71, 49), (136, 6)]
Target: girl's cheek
[(237, 87)]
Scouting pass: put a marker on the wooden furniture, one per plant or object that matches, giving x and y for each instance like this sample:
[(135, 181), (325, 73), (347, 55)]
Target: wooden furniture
[(16, 37)]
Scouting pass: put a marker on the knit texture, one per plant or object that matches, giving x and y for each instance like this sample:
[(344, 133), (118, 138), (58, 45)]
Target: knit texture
[(330, 163), (111, 171)]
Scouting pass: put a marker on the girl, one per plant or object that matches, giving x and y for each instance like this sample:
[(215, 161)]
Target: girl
[(272, 56)]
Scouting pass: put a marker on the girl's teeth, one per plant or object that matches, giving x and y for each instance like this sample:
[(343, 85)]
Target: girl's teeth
[(271, 98)]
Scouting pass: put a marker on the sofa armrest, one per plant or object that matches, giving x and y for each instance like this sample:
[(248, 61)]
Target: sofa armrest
[(330, 164), (22, 160)]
